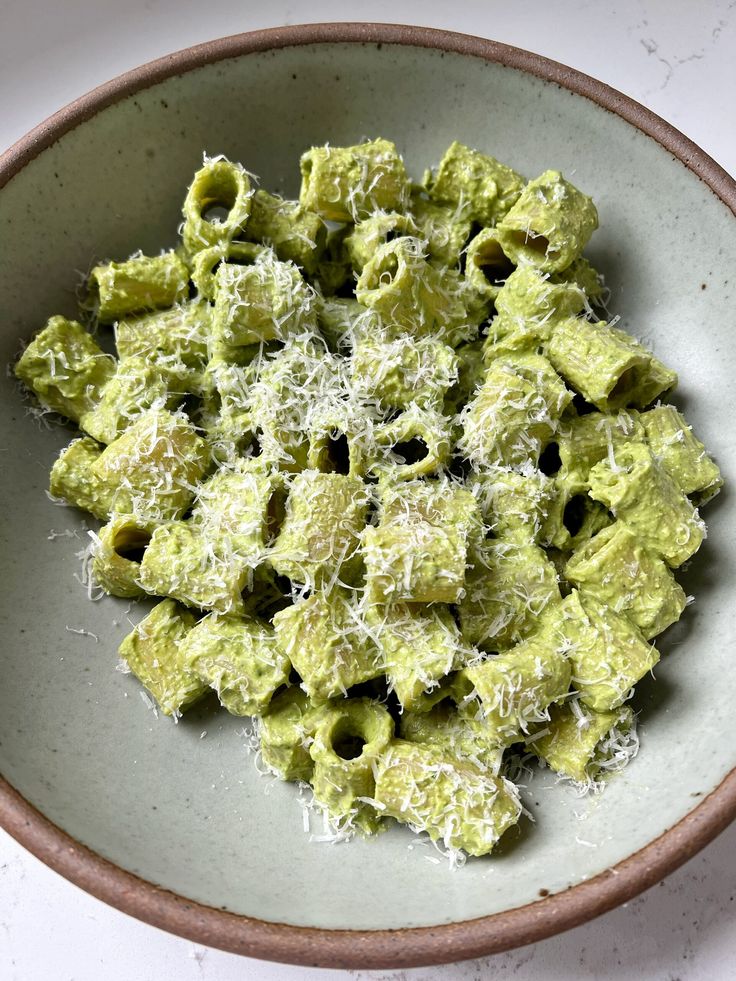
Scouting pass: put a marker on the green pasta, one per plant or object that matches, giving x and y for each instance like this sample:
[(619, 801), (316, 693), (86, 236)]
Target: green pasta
[(151, 471), (72, 479), (397, 491), (349, 739), (607, 652), (514, 413), (142, 283), (327, 643), (320, 535), (239, 658), (207, 261), (410, 295), (419, 646), (181, 562), (510, 583), (286, 730), (295, 234), (418, 552), (219, 186), (65, 368), (154, 653), (446, 228), (617, 570), (680, 453), (607, 366), (511, 692), (581, 744), (453, 801), (119, 547), (476, 184), (349, 183), (265, 301), (549, 224), (648, 500)]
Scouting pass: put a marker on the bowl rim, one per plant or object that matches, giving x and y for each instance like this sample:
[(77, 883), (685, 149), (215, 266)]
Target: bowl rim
[(416, 946)]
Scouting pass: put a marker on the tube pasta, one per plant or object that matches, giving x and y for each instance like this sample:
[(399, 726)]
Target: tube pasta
[(207, 261), (608, 367), (320, 535), (73, 480), (584, 744), (286, 730), (265, 301), (154, 653), (410, 295), (349, 183), (239, 658), (445, 228), (295, 234), (65, 368), (176, 339), (326, 641), (418, 551), (509, 584), (398, 493), (511, 692), (141, 283), (453, 801), (680, 453), (606, 650), (617, 570), (647, 499), (480, 185), (116, 564), (151, 471), (514, 414), (419, 645), (218, 186), (549, 224), (349, 739)]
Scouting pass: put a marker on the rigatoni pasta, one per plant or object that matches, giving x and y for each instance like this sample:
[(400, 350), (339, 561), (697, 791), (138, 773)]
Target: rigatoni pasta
[(397, 490)]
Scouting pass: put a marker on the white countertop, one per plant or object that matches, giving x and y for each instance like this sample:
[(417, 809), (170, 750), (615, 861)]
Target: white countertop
[(675, 56)]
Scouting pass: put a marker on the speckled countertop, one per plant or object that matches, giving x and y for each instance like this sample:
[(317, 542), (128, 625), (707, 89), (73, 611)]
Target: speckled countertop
[(675, 56)]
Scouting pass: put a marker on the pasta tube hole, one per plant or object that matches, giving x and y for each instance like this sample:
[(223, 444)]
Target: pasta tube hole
[(193, 407), (275, 514), (130, 543), (216, 214), (530, 243), (306, 166), (248, 445), (493, 262), (582, 407), (337, 454), (460, 466), (411, 450), (573, 517), (389, 270), (549, 460), (348, 741), (218, 198), (626, 382), (92, 298)]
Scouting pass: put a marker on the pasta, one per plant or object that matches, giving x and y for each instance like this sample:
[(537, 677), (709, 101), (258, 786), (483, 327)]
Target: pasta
[(396, 490)]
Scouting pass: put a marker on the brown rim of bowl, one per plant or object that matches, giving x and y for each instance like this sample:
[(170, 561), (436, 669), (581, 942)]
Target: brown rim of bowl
[(368, 948)]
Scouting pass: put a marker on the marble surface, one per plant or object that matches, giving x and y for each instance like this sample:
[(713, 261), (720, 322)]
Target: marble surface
[(674, 56)]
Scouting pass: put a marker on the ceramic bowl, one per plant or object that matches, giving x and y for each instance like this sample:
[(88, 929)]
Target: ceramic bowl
[(172, 823)]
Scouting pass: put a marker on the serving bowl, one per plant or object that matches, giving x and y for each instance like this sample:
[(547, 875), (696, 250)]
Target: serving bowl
[(172, 823)]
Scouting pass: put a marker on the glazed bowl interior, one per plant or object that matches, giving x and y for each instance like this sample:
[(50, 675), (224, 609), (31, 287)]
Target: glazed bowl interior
[(183, 806)]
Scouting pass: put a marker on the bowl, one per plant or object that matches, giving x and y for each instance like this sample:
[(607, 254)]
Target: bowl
[(172, 823)]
